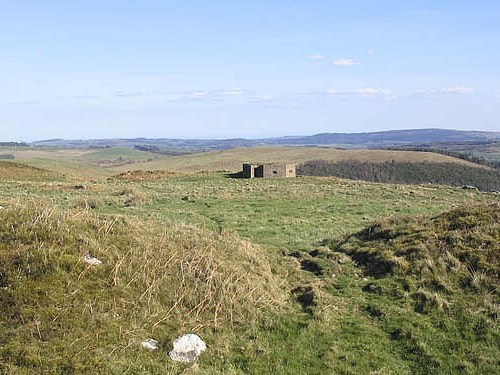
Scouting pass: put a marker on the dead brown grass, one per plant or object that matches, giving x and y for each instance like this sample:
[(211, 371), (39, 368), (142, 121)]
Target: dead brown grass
[(151, 276), (11, 171)]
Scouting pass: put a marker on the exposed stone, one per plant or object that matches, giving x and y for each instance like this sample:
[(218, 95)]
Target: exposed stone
[(91, 260), (150, 344), (187, 348)]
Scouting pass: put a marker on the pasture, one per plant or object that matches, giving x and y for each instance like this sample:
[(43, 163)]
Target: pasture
[(272, 238)]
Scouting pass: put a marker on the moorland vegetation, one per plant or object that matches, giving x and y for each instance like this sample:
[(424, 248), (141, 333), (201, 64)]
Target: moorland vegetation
[(311, 275), (391, 172)]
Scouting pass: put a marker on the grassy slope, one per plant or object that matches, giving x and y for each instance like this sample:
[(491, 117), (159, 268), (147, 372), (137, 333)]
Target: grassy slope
[(89, 163), (434, 287), (330, 330), (77, 154), (60, 315), (16, 171), (117, 153), (85, 163), (71, 169), (232, 160)]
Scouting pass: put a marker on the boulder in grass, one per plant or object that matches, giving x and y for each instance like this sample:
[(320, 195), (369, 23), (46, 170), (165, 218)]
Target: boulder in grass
[(150, 344), (187, 348), (91, 260)]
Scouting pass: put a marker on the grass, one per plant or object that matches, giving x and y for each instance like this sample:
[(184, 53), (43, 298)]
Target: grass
[(434, 287), (16, 171), (231, 160), (244, 264), (117, 156), (63, 316), (66, 168)]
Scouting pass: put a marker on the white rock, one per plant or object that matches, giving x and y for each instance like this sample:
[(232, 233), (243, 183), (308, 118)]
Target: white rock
[(150, 344), (91, 260), (187, 348)]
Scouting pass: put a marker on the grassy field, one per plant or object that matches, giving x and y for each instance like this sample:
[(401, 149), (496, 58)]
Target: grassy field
[(84, 162), (231, 160), (106, 162), (263, 270)]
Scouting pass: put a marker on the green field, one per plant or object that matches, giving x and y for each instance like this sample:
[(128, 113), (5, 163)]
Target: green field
[(231, 160), (263, 270)]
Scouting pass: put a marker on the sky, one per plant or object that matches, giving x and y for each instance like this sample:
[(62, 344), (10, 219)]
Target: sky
[(262, 68)]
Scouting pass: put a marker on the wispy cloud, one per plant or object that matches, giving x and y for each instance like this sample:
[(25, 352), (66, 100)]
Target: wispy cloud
[(316, 57), (19, 64), (345, 62), (366, 91), (129, 94), (259, 98), (200, 94), (231, 93), (456, 90), (86, 97)]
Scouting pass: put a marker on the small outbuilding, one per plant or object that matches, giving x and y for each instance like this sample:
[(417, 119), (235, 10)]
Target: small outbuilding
[(268, 170)]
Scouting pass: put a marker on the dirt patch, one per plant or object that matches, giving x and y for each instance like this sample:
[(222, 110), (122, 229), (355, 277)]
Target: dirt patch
[(306, 297), (311, 266)]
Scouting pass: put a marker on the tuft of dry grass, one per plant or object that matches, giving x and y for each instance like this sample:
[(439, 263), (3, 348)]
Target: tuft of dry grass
[(58, 312), (210, 278)]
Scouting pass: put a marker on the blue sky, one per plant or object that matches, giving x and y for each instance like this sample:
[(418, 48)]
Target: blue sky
[(220, 69)]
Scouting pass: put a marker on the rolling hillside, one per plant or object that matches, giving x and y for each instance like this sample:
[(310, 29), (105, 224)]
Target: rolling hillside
[(231, 160), (19, 172), (269, 273)]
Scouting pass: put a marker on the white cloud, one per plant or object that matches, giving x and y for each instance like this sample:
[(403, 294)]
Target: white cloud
[(198, 94), (231, 93), (259, 98), (19, 64), (457, 90), (345, 62), (129, 94), (366, 91), (317, 57)]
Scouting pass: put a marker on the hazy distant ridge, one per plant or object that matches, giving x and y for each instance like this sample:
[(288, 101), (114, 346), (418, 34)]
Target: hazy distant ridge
[(383, 138)]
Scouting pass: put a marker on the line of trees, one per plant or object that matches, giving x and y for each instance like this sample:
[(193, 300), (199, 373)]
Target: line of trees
[(406, 173), (463, 155)]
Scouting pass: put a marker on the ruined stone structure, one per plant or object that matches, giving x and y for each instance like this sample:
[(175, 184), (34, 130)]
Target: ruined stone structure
[(270, 170)]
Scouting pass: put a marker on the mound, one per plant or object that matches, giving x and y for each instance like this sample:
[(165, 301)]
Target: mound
[(15, 172), (60, 314), (465, 241), (434, 287)]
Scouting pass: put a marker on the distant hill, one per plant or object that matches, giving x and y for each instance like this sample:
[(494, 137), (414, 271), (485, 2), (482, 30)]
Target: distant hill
[(231, 160), (349, 140)]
